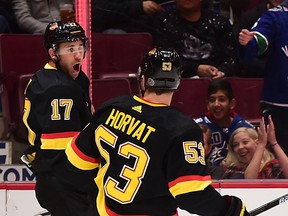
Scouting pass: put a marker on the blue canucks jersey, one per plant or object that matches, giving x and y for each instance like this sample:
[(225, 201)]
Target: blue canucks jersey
[(271, 37), (220, 136)]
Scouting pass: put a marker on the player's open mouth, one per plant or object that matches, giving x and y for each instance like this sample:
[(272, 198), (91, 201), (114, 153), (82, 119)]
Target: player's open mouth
[(76, 67)]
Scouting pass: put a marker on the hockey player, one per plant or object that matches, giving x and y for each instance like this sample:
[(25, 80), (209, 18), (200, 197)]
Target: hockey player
[(150, 156), (57, 107)]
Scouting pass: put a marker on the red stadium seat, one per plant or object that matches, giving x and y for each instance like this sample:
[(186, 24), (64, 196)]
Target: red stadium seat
[(247, 92), (191, 96), (20, 54), (119, 55), (105, 89)]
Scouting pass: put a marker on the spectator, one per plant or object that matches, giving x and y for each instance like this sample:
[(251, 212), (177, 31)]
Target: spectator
[(239, 7), (276, 148), (207, 141), (249, 158), (122, 16), (216, 172), (269, 35), (56, 109), (221, 118), (4, 25), (254, 67), (250, 17), (8, 22), (34, 16), (203, 39), (150, 155)]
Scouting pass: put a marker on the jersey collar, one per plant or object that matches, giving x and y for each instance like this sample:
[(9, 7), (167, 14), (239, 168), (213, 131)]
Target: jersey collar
[(141, 100)]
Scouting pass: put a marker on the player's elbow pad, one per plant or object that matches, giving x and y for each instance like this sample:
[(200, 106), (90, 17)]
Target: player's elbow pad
[(236, 206)]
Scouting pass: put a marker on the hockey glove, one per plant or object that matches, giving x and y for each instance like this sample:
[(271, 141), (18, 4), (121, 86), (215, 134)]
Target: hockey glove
[(27, 159), (237, 207)]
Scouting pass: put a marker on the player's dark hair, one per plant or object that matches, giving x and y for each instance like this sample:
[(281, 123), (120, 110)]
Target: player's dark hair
[(220, 84)]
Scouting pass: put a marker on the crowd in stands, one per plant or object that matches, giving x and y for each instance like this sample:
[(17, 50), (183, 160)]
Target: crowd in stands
[(202, 38), (234, 148), (215, 41), (221, 119), (8, 23), (207, 41), (28, 16)]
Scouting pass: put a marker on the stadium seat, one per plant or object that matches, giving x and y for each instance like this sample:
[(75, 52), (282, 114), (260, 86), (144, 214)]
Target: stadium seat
[(119, 55), (247, 92), (191, 96), (105, 89), (20, 54)]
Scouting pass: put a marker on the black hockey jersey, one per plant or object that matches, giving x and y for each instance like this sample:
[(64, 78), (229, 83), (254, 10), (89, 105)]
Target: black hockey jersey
[(56, 109), (148, 154)]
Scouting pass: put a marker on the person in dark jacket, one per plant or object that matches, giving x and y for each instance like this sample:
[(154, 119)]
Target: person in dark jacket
[(124, 16), (203, 39)]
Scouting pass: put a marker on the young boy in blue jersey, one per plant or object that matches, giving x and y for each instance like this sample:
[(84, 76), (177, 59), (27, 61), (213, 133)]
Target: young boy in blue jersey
[(221, 119)]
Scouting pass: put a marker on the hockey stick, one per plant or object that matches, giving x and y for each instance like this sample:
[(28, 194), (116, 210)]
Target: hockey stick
[(269, 205), (43, 213)]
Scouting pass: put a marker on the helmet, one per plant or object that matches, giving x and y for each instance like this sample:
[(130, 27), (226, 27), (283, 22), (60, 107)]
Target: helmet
[(59, 32), (161, 69)]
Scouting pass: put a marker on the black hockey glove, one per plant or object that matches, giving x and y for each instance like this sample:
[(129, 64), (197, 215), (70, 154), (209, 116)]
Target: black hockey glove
[(237, 207)]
